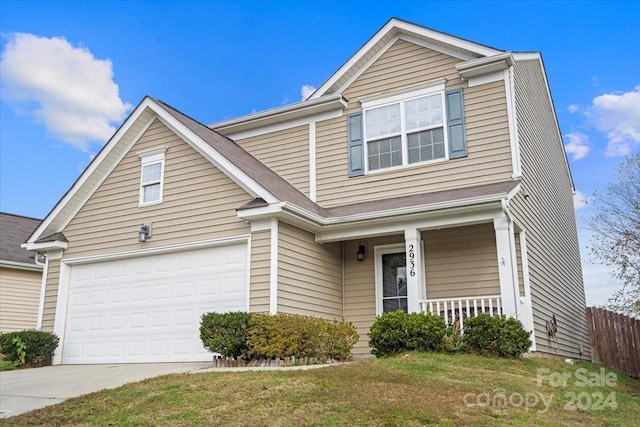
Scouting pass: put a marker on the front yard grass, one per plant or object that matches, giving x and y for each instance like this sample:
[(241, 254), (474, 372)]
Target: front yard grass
[(413, 390)]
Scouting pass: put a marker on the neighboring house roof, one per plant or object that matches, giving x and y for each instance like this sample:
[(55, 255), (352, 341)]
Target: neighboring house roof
[(14, 231)]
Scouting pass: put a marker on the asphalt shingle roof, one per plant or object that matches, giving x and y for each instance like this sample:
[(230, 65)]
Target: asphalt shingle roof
[(14, 231)]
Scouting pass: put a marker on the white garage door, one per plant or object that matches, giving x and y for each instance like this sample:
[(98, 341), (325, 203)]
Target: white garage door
[(148, 309)]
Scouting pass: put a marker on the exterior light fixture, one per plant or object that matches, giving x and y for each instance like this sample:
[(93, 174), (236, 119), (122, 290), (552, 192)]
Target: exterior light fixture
[(144, 233), (360, 253)]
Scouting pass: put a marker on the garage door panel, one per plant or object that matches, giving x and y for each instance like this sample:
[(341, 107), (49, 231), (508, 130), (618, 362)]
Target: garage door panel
[(149, 309)]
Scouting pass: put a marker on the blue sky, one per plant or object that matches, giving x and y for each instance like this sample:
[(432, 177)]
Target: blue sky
[(69, 64)]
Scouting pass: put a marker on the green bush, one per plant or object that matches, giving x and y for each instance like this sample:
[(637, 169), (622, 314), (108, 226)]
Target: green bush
[(398, 331), (453, 341), (338, 340), (29, 347), (281, 335), (226, 333), (284, 335), (496, 335)]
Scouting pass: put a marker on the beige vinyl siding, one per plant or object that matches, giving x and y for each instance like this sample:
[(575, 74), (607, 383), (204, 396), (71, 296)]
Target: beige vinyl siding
[(51, 295), (19, 299), (260, 271), (360, 288), (286, 152), (405, 65), (309, 274), (461, 262), (548, 217), (199, 202)]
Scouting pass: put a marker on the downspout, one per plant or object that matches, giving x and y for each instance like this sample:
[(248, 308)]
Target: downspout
[(344, 308)]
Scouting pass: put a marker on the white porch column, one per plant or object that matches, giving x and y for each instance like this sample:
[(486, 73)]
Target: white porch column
[(505, 267), (414, 269)]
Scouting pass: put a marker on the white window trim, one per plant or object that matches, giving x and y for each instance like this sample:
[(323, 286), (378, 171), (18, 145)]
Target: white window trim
[(401, 98), (378, 252), (148, 157)]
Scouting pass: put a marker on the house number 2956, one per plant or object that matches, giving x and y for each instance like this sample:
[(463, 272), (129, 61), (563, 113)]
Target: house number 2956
[(412, 261)]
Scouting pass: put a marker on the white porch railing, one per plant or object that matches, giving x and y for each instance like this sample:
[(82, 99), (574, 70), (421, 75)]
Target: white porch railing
[(452, 309)]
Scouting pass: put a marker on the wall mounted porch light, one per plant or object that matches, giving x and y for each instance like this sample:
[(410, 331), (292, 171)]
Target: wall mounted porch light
[(360, 254), (144, 233)]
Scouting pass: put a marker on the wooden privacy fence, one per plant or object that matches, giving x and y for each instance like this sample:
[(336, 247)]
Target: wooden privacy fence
[(615, 340)]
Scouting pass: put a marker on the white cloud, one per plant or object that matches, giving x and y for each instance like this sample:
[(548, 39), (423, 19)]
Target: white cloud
[(578, 145), (618, 115), (580, 200), (573, 108), (64, 87), (306, 91)]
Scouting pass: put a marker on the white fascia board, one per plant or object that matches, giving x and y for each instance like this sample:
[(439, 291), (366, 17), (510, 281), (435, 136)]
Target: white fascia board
[(231, 170), (481, 66), (20, 265), (299, 110), (284, 211), (474, 201), (403, 28), (44, 246), (537, 56), (68, 197), (425, 221), (316, 223)]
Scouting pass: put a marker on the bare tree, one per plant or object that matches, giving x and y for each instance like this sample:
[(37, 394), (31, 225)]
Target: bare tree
[(615, 225)]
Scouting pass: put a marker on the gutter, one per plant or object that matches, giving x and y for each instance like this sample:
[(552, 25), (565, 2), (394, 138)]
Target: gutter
[(20, 265)]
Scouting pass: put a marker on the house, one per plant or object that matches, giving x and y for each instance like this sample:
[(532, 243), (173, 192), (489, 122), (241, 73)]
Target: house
[(20, 275), (427, 173)]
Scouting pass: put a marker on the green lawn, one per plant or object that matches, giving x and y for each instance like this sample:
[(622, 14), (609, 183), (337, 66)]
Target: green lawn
[(416, 390)]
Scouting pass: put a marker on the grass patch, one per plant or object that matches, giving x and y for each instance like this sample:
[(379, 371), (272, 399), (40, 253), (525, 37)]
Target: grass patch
[(5, 365), (413, 390)]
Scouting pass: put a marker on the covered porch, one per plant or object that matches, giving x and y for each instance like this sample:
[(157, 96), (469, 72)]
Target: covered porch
[(454, 266)]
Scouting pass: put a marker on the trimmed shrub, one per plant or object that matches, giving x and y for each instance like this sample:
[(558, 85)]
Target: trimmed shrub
[(496, 335), (257, 335), (29, 347), (398, 331), (284, 335), (339, 339), (226, 333)]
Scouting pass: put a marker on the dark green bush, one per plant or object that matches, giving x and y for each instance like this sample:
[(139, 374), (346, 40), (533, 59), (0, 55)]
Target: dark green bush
[(284, 335), (29, 347), (226, 333), (398, 331), (496, 335)]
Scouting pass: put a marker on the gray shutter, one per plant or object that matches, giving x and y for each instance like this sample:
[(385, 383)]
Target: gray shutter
[(455, 124), (356, 147)]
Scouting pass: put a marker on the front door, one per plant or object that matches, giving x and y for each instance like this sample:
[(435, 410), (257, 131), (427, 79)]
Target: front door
[(392, 279)]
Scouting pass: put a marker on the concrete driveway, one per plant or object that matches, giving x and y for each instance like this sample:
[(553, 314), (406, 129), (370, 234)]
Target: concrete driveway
[(24, 390)]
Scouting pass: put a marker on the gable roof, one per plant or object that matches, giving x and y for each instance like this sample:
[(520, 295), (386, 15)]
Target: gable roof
[(396, 28), (14, 231), (244, 169)]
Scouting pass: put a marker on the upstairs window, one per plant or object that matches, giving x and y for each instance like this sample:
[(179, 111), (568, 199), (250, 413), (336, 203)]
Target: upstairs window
[(405, 131), (407, 128), (151, 176)]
